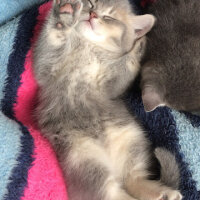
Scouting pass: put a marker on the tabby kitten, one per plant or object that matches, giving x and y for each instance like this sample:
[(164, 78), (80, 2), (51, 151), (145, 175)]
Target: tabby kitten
[(171, 71), (87, 55)]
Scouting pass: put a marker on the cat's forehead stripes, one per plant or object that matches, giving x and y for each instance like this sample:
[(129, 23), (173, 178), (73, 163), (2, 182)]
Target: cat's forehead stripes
[(105, 8)]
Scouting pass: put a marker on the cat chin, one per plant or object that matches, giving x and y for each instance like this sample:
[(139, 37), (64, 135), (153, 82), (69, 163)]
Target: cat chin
[(89, 24)]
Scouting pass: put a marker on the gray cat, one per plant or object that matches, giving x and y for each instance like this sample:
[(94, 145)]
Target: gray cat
[(87, 55), (171, 71)]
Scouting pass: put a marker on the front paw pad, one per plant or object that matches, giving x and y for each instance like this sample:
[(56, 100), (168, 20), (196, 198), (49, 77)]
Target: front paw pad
[(68, 11)]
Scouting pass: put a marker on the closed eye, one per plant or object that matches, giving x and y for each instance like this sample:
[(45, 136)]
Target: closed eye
[(108, 17), (91, 5)]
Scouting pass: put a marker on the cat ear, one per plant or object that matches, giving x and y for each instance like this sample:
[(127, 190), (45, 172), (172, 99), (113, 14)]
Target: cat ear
[(151, 99), (142, 24)]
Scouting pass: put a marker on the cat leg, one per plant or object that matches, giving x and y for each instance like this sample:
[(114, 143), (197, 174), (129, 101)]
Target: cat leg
[(88, 172), (63, 18), (66, 12), (135, 173), (144, 189), (57, 39)]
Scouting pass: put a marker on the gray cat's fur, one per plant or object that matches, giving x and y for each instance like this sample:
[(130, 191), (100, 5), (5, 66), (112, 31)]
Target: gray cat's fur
[(171, 72), (102, 150)]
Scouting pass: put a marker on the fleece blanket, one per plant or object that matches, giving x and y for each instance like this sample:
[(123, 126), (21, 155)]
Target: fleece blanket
[(10, 9), (29, 169)]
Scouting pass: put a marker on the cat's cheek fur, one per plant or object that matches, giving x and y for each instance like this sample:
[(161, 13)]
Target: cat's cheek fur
[(102, 36), (86, 31)]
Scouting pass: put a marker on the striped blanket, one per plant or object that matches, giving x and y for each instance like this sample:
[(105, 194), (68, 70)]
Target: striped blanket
[(29, 169)]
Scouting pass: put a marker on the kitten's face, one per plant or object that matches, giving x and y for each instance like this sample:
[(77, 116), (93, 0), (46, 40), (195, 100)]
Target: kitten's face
[(112, 25)]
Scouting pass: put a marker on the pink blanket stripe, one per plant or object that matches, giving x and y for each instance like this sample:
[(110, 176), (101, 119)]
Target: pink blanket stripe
[(45, 180)]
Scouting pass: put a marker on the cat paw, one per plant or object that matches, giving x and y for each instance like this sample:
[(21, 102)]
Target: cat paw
[(67, 12), (170, 195)]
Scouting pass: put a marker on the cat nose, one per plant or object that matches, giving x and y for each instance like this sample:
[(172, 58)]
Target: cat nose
[(93, 15)]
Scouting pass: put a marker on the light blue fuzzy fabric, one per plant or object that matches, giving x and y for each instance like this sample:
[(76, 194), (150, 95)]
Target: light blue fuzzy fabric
[(12, 8), (10, 133), (189, 139), (7, 33)]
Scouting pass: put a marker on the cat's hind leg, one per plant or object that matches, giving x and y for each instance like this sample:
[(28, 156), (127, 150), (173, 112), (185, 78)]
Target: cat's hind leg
[(132, 145), (137, 181), (89, 172), (145, 189)]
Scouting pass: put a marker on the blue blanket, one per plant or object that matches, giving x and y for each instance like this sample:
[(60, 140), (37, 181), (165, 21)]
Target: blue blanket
[(12, 8)]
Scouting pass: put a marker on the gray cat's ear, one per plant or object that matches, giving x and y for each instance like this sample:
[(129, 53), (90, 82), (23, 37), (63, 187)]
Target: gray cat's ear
[(151, 99), (142, 24)]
